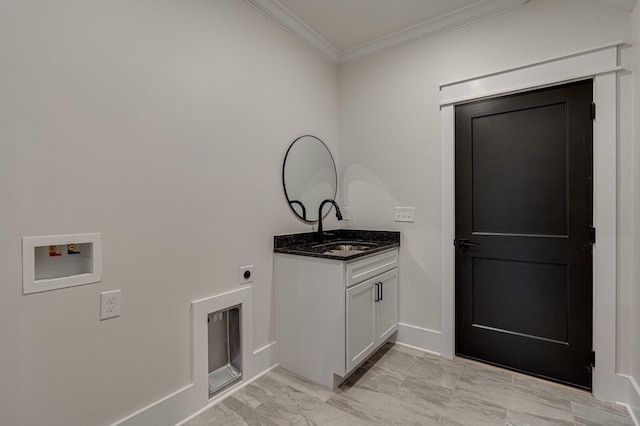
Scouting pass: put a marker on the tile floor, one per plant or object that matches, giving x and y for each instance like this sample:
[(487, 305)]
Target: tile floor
[(402, 386)]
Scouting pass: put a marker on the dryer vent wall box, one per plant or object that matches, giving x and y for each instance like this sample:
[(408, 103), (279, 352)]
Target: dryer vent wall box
[(59, 261)]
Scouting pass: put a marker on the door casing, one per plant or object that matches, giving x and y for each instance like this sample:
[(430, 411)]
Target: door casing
[(601, 65)]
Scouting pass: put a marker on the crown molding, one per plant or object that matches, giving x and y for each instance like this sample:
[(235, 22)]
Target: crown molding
[(475, 12), (624, 5), (274, 10)]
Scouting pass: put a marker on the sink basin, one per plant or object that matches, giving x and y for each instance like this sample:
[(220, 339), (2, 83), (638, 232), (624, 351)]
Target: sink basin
[(349, 247), (345, 247), (345, 243)]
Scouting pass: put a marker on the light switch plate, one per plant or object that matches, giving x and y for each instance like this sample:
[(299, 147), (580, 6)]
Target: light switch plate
[(404, 214)]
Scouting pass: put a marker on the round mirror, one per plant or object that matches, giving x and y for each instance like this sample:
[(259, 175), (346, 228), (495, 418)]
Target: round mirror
[(309, 177)]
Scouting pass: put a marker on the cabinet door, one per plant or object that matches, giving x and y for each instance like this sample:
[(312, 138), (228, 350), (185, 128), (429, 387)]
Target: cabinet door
[(386, 305), (360, 322)]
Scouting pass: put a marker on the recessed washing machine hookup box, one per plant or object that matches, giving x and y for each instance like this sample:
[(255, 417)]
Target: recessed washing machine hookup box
[(58, 261)]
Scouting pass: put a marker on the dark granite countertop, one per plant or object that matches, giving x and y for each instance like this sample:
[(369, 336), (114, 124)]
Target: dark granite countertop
[(307, 244)]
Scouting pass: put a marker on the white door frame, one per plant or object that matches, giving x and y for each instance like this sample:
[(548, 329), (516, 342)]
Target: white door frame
[(601, 65)]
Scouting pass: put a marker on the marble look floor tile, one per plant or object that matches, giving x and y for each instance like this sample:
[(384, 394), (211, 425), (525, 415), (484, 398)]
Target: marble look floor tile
[(454, 363), (588, 415), (292, 407), (590, 401), (231, 412), (400, 362), (287, 378), (380, 409), (537, 385), (445, 374), (493, 388), (474, 379), (448, 405), (259, 391), (373, 378), (338, 417), (474, 411), (448, 422), (516, 418), (432, 398), (577, 397), (485, 370), (377, 355)]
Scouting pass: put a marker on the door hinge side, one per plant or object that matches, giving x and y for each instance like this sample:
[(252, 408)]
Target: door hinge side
[(592, 234), (592, 358), (593, 110)]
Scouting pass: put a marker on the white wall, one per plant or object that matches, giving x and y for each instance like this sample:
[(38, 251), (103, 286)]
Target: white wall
[(390, 133), (162, 125)]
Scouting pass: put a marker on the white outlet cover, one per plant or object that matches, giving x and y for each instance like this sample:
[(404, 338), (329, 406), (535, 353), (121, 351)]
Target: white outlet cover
[(110, 304), (243, 270)]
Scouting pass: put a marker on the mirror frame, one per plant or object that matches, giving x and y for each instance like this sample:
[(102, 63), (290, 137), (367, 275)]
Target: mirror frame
[(284, 185)]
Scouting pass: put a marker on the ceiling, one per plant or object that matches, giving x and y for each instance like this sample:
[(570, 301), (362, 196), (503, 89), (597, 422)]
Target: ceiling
[(345, 31), (349, 24)]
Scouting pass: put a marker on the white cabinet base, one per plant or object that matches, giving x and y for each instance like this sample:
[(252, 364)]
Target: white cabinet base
[(325, 329)]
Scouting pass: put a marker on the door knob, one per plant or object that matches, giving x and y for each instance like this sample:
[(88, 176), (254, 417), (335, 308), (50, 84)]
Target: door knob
[(462, 243)]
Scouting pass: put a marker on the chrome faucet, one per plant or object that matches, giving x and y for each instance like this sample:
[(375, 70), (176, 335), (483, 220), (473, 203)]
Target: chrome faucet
[(338, 216)]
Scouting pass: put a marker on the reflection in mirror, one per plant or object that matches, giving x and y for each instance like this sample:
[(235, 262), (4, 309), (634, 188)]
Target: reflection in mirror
[(309, 177)]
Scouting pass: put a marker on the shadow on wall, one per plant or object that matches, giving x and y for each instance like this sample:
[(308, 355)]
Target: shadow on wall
[(372, 203), (367, 195)]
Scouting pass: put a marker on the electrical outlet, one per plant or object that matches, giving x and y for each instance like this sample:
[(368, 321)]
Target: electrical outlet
[(109, 304), (246, 274), (404, 214)]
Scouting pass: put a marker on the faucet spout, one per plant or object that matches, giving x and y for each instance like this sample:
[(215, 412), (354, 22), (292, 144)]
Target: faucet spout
[(338, 216)]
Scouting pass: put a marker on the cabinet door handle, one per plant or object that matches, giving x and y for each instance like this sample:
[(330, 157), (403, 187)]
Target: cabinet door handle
[(377, 296), (380, 291)]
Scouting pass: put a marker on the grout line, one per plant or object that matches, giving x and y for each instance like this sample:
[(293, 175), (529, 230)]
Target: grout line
[(457, 380)]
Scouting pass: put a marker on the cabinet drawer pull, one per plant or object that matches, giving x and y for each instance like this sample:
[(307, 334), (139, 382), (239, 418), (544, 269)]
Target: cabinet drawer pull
[(378, 296)]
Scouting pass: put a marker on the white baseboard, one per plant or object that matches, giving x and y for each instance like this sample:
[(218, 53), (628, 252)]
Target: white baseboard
[(168, 411), (634, 401), (421, 338), (265, 358), (175, 408)]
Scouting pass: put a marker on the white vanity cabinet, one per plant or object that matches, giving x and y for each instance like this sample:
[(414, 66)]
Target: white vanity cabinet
[(331, 315)]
